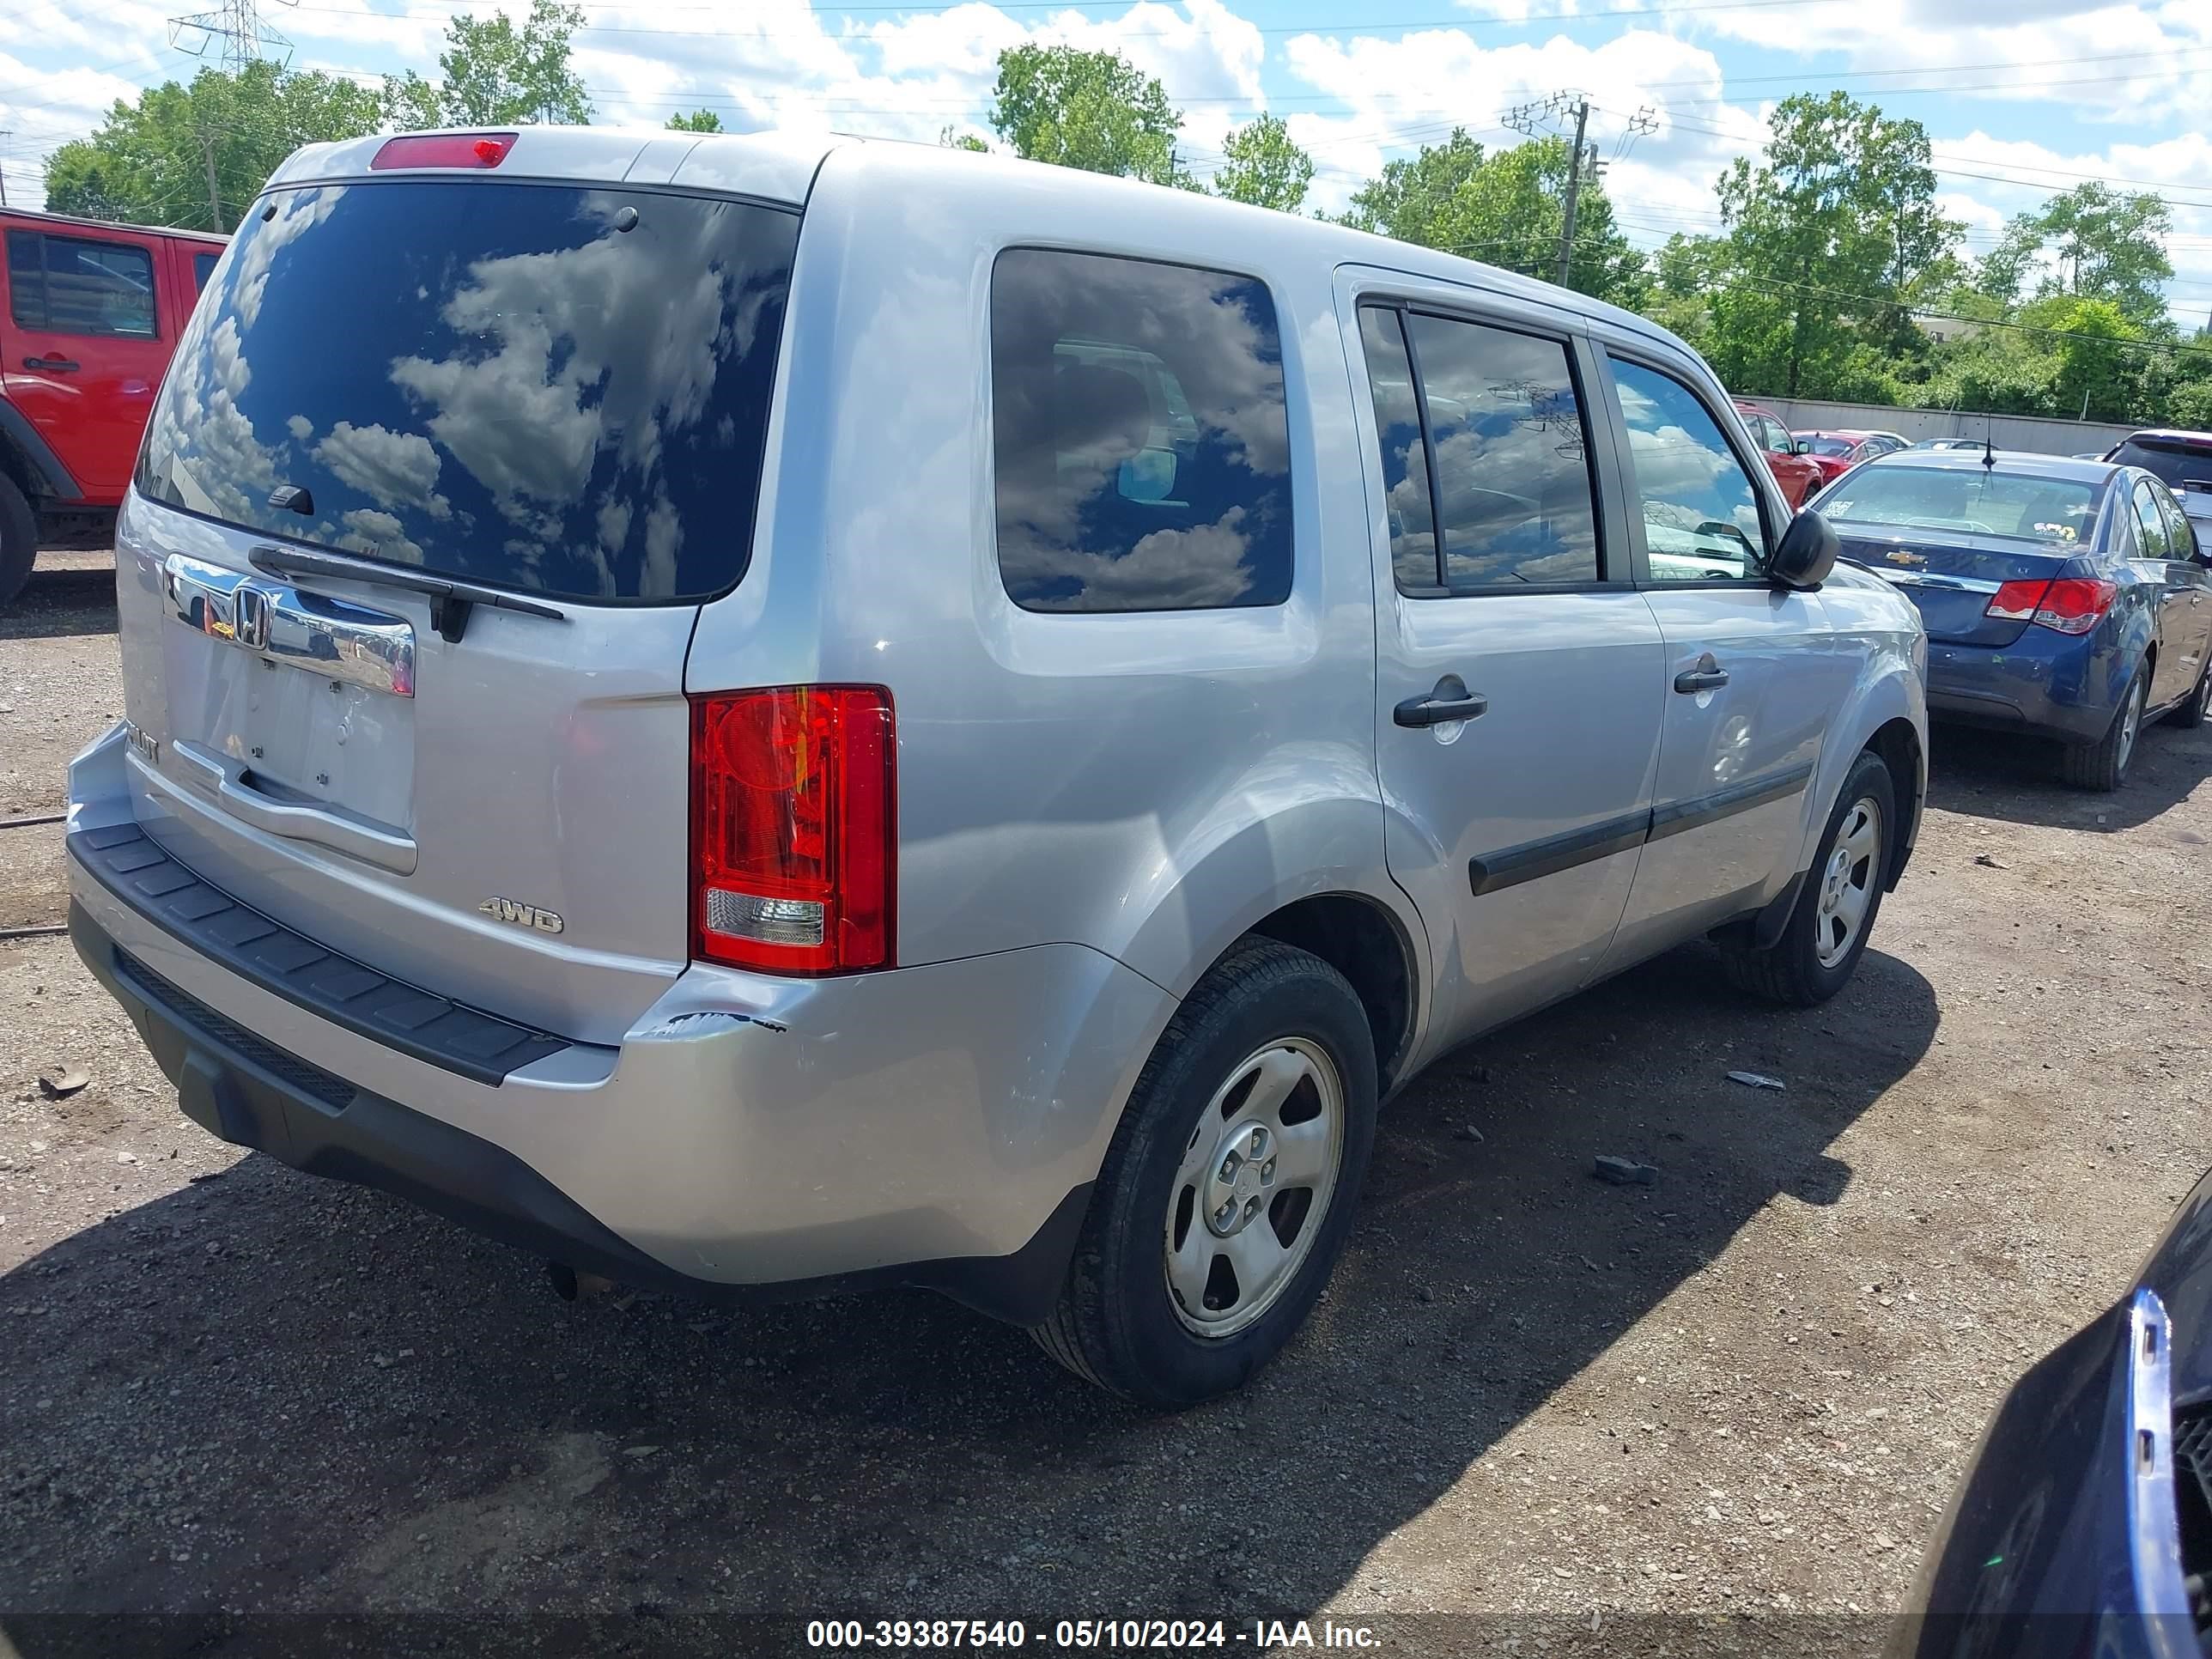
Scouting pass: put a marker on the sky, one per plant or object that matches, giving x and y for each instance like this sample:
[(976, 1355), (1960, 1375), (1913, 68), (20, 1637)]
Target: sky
[(2022, 99)]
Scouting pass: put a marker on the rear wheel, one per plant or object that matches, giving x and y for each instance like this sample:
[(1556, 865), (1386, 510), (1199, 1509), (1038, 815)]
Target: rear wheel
[(2103, 765), (1826, 933), (1227, 1193), (19, 540), (2192, 712)]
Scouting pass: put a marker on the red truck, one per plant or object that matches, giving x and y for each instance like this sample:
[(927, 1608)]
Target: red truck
[(89, 312)]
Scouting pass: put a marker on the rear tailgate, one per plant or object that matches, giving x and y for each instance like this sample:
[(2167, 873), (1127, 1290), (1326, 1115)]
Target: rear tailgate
[(558, 393), (1952, 578)]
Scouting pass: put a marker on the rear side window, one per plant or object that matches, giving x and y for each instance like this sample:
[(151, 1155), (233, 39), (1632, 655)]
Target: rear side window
[(2152, 541), (79, 285), (1139, 436), (202, 268), (1513, 482), (558, 390)]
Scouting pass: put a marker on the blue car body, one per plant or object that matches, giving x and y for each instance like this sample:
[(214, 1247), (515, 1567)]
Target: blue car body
[(2015, 674), (2083, 1525)]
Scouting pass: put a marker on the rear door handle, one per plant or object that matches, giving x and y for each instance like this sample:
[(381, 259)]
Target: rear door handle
[(1707, 676), (1451, 701), (51, 365)]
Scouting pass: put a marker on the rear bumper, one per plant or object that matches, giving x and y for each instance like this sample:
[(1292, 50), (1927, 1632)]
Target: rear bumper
[(2045, 682), (936, 1126)]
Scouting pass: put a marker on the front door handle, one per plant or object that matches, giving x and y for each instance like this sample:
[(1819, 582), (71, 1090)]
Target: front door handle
[(51, 365), (1451, 701), (1707, 676)]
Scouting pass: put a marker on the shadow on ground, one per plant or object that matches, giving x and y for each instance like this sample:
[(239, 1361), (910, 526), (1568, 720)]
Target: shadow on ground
[(268, 1394), (72, 600), (2014, 779)]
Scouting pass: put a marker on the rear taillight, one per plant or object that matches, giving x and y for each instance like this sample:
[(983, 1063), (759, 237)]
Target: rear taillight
[(2071, 605), (443, 149), (2016, 601), (794, 828)]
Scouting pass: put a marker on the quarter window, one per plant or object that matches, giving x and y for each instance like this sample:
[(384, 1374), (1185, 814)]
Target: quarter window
[(1140, 434), (1701, 519), (74, 285), (202, 268), (2180, 534)]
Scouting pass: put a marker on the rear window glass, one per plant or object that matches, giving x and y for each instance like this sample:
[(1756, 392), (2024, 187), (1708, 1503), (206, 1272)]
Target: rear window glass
[(1139, 436), (1834, 448), (1974, 500), (2177, 464), (560, 389)]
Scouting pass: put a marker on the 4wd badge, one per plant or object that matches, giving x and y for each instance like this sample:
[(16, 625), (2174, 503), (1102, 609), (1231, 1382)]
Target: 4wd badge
[(522, 915)]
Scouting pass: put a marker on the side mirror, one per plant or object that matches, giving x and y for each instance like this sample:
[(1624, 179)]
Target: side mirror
[(1808, 552), (1799, 447)]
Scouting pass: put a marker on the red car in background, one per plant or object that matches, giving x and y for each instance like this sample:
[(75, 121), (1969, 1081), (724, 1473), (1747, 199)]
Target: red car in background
[(89, 312), (1793, 470), (1837, 453)]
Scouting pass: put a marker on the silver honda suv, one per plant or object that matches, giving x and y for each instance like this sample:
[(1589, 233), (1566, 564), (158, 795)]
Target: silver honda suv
[(771, 715)]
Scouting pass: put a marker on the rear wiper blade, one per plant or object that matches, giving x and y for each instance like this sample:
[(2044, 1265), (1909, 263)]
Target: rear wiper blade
[(450, 600)]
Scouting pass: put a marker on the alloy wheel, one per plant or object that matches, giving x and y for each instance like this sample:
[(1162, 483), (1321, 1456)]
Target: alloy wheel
[(1253, 1188), (1848, 882)]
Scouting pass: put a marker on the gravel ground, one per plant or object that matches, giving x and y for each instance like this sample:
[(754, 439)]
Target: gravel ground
[(1718, 1414)]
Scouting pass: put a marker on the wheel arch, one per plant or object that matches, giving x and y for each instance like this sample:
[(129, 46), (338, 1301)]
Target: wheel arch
[(1311, 874), (1887, 713)]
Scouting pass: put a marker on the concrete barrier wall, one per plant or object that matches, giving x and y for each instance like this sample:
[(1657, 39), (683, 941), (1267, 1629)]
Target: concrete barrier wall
[(2006, 431)]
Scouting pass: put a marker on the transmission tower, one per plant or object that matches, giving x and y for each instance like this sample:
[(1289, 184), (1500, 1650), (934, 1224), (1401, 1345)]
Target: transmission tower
[(245, 38)]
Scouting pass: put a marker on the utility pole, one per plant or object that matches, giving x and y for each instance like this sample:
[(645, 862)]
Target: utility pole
[(1574, 188), (215, 198), (1583, 166), (6, 135), (245, 38)]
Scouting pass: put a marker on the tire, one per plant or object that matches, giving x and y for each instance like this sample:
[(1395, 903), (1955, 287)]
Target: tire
[(2191, 714), (1810, 962), (2103, 765), (1291, 1024), (19, 540)]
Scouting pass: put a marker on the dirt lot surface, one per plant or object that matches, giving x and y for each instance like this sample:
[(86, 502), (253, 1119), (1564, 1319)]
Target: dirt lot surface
[(1739, 1398)]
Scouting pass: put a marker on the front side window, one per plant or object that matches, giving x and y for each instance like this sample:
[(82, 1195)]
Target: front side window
[(1774, 439), (75, 285), (1139, 435), (559, 389), (1701, 519)]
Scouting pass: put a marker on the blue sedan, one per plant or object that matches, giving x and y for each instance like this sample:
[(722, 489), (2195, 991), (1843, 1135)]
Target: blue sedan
[(2084, 1524), (2066, 598)]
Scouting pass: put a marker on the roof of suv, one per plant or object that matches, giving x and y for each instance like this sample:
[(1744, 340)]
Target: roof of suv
[(782, 167)]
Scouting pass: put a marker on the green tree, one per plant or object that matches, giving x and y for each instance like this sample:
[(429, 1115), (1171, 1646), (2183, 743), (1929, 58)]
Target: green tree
[(1265, 166), (1412, 198), (2110, 245), (1093, 109), (496, 74), (699, 120), (1831, 233), (148, 160), (2097, 375), (951, 137)]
